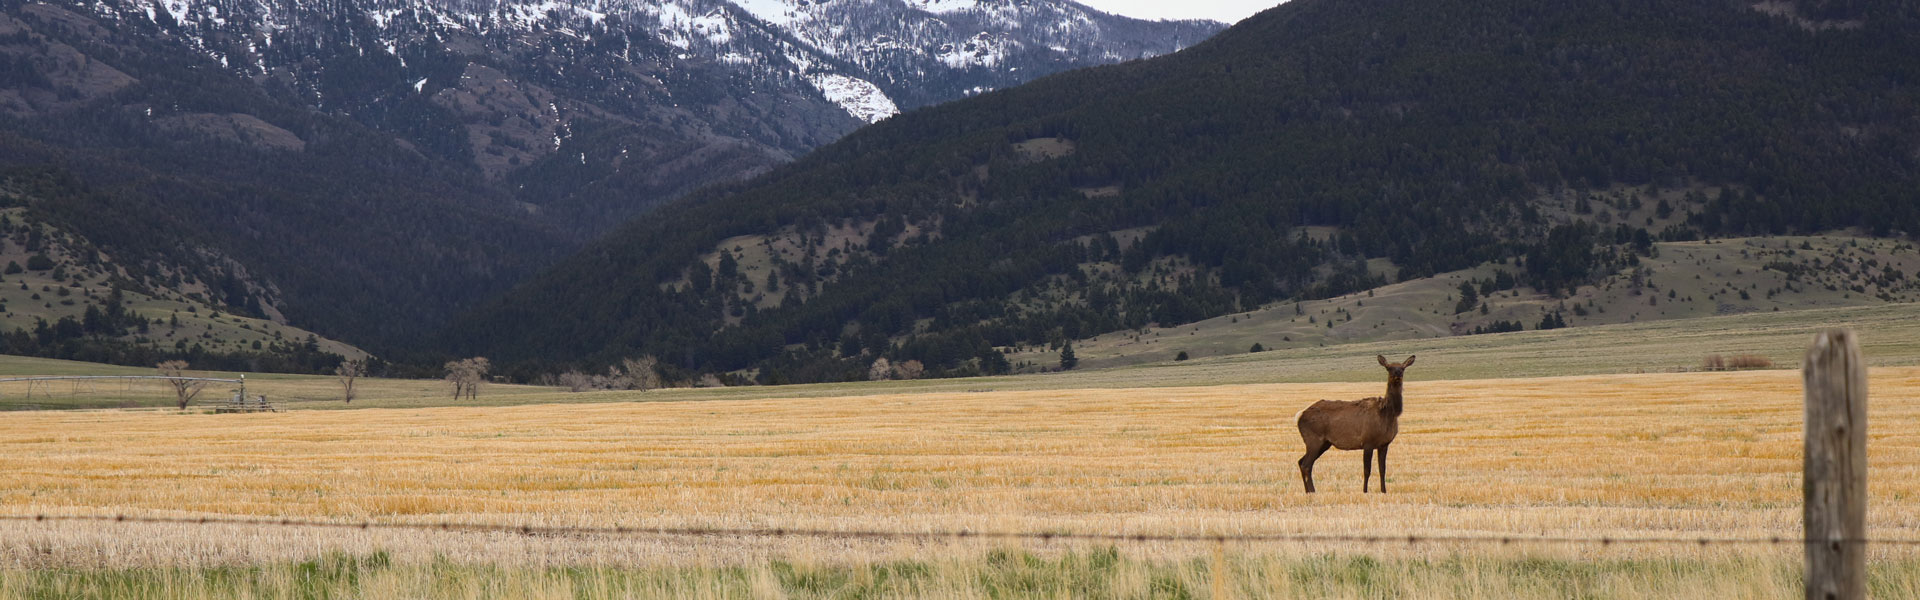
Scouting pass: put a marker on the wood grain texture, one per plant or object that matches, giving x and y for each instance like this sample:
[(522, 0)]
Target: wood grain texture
[(1836, 467)]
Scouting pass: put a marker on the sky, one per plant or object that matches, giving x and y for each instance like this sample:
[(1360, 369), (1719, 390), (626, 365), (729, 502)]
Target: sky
[(1229, 11)]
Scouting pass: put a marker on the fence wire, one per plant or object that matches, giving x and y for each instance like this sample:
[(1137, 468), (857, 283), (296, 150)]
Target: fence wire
[(1040, 536)]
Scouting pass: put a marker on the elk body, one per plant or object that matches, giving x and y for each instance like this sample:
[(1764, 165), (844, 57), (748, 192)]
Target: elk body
[(1366, 425)]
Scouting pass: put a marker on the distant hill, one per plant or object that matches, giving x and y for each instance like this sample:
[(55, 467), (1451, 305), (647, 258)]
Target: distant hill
[(1271, 162), (62, 296), (1676, 280)]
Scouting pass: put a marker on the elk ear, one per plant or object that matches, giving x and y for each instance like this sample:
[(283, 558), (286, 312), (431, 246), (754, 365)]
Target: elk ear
[(1409, 362), (1383, 359)]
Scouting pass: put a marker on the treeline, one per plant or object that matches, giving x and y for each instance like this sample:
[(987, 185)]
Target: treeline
[(1422, 133)]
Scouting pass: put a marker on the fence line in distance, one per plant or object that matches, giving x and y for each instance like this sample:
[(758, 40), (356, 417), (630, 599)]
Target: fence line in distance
[(539, 530)]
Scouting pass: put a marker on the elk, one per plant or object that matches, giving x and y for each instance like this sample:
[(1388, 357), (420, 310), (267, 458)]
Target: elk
[(1366, 425)]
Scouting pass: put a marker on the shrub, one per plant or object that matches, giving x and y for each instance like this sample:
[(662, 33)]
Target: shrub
[(1715, 362), (1181, 356)]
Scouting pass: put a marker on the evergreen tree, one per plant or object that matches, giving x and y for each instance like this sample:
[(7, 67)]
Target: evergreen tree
[(1469, 298)]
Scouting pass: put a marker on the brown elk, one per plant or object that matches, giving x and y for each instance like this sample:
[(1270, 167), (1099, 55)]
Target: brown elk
[(1366, 425)]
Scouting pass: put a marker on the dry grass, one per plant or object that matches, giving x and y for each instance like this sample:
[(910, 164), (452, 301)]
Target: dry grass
[(1697, 453), (1099, 573)]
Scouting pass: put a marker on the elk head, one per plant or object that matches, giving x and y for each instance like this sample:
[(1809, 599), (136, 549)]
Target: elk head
[(1396, 372)]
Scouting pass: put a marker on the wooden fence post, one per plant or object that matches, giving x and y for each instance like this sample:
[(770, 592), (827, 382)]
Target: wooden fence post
[(1836, 468)]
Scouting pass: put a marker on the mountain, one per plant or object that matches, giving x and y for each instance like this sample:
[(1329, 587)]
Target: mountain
[(1272, 162), (174, 166), (593, 111), (369, 168)]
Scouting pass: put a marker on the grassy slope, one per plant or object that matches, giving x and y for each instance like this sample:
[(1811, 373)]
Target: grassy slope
[(1703, 278), (200, 322)]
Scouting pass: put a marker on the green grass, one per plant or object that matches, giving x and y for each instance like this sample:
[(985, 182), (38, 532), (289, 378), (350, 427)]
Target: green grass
[(284, 390), (1890, 335), (1098, 573)]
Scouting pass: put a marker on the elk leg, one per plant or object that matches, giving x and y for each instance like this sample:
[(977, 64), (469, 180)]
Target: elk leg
[(1366, 468), (1314, 450), (1383, 469)]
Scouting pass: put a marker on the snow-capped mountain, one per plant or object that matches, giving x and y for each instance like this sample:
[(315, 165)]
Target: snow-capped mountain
[(383, 163), (598, 108), (914, 52)]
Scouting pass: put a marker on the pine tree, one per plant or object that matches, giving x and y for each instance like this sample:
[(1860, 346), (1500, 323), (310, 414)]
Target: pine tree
[(1469, 298), (1067, 359)]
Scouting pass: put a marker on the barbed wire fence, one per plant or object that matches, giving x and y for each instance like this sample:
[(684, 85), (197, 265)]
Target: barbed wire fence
[(962, 534)]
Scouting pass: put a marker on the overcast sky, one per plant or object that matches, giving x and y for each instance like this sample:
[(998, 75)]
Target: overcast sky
[(1229, 11)]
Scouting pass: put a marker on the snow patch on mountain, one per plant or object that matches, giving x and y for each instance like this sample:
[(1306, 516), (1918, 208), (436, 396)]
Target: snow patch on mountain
[(943, 6), (781, 13), (860, 98), (871, 57), (983, 50)]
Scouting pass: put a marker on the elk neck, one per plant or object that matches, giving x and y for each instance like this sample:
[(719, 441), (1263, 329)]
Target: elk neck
[(1393, 406)]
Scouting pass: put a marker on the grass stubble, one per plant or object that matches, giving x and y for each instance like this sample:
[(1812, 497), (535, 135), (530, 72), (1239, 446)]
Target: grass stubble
[(1714, 454)]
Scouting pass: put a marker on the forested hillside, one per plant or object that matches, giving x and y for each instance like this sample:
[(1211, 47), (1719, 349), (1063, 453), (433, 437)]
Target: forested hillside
[(369, 168), (62, 296), (1267, 163), (169, 164)]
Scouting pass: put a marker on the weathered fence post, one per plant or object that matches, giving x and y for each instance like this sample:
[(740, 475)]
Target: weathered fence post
[(1836, 468)]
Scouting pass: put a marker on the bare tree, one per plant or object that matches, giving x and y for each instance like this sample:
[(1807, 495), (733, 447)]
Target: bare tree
[(630, 374), (911, 369), (466, 376), (478, 367), (642, 373), (184, 389), (348, 372), (576, 381), (454, 376), (881, 370)]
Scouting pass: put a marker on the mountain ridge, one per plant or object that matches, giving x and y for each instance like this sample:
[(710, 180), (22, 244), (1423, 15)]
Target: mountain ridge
[(1183, 187), (386, 163)]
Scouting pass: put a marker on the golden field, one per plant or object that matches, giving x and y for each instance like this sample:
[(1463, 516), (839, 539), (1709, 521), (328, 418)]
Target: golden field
[(1655, 454), (1588, 434)]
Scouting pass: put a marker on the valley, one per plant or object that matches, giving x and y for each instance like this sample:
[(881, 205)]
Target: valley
[(1252, 172), (957, 298)]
